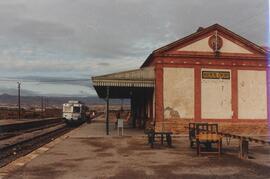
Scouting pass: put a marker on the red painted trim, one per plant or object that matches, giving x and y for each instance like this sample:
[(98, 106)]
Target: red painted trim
[(212, 66), (226, 33), (212, 61), (171, 65), (253, 69), (159, 93), (216, 67), (234, 92), (218, 62), (268, 95), (259, 52), (211, 56), (254, 53), (197, 93), (151, 107)]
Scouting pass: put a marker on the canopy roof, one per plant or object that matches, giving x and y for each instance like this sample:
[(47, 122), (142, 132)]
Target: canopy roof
[(121, 84), (144, 77)]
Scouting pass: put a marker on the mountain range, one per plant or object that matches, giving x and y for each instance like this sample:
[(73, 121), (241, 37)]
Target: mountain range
[(33, 101)]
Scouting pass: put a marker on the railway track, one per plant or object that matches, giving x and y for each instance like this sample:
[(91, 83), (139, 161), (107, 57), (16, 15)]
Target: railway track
[(7, 135), (16, 127), (15, 145)]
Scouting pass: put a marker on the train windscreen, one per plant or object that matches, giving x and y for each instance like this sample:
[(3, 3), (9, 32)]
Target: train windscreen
[(76, 109)]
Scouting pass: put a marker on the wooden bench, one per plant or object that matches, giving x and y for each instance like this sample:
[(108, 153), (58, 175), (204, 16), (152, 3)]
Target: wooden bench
[(208, 139), (205, 134), (197, 128), (153, 134)]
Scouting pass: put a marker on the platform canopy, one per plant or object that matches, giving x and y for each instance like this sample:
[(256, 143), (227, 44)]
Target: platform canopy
[(122, 84)]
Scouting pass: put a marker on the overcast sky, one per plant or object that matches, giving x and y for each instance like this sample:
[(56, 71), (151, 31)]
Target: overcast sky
[(42, 41)]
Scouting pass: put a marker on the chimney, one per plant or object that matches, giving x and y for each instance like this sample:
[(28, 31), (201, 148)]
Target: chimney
[(199, 29)]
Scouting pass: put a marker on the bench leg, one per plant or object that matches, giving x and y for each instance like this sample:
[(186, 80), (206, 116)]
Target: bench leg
[(243, 149), (198, 147), (169, 140), (219, 147), (152, 140), (191, 144)]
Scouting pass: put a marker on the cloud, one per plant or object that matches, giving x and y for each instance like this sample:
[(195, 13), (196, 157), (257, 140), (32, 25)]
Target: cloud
[(79, 38), (15, 61), (116, 29), (40, 31), (104, 64)]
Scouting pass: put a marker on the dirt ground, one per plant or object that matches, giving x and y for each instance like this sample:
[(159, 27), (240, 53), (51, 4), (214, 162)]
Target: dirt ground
[(131, 157)]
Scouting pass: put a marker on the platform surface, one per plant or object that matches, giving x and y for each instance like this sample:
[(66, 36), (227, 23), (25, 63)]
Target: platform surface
[(87, 152)]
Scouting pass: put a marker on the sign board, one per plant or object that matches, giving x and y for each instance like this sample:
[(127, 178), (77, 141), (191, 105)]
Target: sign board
[(120, 123), (225, 75)]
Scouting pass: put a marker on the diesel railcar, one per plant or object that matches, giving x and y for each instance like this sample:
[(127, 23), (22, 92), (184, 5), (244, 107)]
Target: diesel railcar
[(74, 112)]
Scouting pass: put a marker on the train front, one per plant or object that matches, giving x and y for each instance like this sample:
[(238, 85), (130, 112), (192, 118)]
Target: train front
[(73, 112)]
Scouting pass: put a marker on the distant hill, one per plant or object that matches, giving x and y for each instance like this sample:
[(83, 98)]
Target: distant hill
[(27, 101)]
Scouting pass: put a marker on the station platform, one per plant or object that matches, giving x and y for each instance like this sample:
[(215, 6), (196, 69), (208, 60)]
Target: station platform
[(87, 152), (97, 128)]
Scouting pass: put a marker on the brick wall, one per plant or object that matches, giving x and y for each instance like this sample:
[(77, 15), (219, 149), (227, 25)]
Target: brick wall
[(178, 126)]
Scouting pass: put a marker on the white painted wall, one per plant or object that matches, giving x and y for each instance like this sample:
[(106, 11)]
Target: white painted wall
[(252, 94), (216, 97), (178, 92), (198, 46), (202, 46), (231, 47)]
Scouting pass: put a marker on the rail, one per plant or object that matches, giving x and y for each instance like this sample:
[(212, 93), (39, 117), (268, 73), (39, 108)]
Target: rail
[(250, 139), (27, 124), (20, 145)]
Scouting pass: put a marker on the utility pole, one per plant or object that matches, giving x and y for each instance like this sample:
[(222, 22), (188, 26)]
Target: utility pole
[(19, 100), (41, 106), (107, 110), (45, 105)]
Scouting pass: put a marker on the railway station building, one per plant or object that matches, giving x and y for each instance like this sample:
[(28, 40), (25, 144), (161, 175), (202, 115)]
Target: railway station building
[(212, 75)]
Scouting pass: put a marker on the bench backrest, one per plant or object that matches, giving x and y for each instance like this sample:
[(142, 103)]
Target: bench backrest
[(197, 128)]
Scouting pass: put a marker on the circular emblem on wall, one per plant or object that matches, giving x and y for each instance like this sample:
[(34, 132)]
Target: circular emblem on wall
[(215, 42)]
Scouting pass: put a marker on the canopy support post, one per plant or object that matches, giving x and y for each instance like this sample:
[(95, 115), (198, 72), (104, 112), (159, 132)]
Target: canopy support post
[(107, 110)]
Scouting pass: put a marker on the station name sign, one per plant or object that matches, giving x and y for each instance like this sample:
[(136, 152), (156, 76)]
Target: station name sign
[(216, 75)]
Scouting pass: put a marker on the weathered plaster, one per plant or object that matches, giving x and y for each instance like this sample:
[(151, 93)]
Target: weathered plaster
[(252, 96), (216, 97), (178, 93)]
